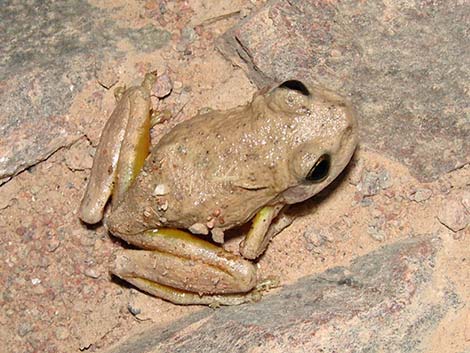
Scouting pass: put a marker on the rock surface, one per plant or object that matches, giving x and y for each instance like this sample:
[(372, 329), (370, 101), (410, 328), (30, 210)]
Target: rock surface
[(382, 302), (402, 64), (56, 293), (44, 63), (453, 215)]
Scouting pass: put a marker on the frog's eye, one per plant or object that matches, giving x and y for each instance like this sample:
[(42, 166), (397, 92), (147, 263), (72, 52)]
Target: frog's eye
[(320, 169), (296, 85)]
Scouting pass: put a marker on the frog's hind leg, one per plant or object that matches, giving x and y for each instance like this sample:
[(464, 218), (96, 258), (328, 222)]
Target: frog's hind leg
[(185, 269), (136, 142), (182, 297), (123, 147)]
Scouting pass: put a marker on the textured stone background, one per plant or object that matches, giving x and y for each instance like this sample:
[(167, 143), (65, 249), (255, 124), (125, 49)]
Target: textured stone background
[(404, 64), (50, 55)]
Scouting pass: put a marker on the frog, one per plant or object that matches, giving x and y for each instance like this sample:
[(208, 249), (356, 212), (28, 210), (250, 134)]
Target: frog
[(173, 202)]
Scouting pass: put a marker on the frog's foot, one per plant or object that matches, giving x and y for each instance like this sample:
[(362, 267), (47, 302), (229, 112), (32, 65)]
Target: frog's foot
[(119, 92), (268, 284), (185, 269), (159, 117), (253, 296)]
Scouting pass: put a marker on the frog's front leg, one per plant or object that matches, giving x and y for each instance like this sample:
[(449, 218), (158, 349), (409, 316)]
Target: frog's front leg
[(185, 269), (267, 223)]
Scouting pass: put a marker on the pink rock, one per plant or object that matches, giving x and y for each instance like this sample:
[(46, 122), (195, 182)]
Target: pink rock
[(163, 86), (453, 215)]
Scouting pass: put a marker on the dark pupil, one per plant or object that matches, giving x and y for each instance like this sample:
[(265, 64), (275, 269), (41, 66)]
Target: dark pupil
[(320, 169)]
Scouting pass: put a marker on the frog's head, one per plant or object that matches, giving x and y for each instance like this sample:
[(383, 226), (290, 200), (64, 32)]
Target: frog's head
[(322, 136)]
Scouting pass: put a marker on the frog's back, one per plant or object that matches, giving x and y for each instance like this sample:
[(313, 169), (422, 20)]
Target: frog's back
[(215, 167), (220, 168)]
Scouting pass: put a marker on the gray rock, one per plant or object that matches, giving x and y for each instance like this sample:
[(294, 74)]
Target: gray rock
[(366, 202), (403, 67), (24, 329), (379, 303), (315, 238), (420, 195), (49, 51), (91, 272), (370, 184), (133, 309), (376, 233), (62, 333), (188, 35)]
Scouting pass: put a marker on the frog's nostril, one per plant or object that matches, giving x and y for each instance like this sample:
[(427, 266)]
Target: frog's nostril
[(296, 85)]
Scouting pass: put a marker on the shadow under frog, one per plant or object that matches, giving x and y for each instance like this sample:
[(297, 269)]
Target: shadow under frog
[(214, 172)]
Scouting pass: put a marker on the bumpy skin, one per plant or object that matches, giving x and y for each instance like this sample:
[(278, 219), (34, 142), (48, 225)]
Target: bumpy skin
[(211, 173), (226, 166)]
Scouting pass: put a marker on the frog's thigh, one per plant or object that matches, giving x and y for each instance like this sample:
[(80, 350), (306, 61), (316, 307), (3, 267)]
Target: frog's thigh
[(184, 269), (135, 144), (123, 147)]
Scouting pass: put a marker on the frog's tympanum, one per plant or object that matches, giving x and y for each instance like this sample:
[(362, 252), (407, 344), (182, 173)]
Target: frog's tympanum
[(209, 174)]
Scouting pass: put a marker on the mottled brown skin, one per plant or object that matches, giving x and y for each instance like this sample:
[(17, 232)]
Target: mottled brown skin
[(233, 163), (216, 171)]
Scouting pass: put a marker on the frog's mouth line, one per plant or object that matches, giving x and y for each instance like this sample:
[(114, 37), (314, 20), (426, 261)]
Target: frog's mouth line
[(250, 187)]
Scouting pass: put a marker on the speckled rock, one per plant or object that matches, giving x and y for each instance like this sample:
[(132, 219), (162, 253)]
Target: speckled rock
[(382, 302), (46, 58), (453, 215), (402, 64)]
